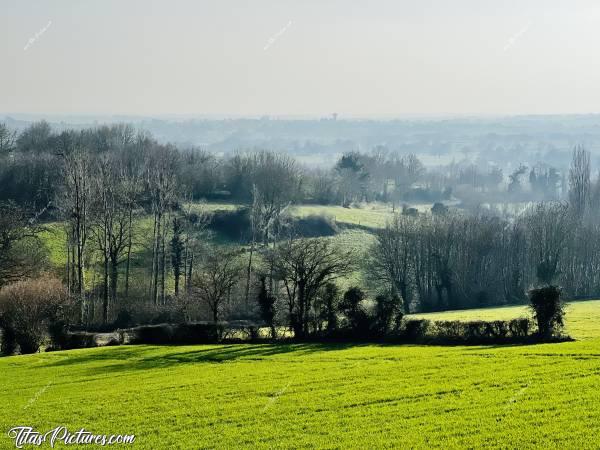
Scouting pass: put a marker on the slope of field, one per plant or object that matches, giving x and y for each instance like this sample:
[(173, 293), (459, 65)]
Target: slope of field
[(308, 396)]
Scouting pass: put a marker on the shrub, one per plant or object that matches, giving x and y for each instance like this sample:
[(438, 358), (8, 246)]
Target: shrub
[(520, 327), (183, 333), (153, 334), (58, 332), (9, 341), (266, 303), (28, 307), (473, 332), (351, 306), (388, 313), (416, 330), (197, 333), (79, 339), (548, 310), (330, 299)]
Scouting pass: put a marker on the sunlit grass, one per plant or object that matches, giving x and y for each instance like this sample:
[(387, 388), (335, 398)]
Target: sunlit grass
[(320, 396)]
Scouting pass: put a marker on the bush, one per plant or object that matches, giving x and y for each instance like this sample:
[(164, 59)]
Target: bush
[(184, 333), (197, 333), (28, 307), (79, 339), (548, 310), (519, 327), (58, 332), (9, 341), (415, 330), (153, 334), (473, 332), (388, 313), (352, 308)]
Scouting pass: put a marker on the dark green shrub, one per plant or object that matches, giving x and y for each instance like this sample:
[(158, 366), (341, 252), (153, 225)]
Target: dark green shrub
[(9, 340), (548, 310), (197, 333), (330, 300), (153, 334), (351, 307), (79, 339), (416, 329), (499, 329), (388, 313), (449, 330), (266, 303), (475, 330), (58, 333), (520, 327)]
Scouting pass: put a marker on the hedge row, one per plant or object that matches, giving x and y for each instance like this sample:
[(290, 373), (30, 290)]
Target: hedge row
[(461, 332), (419, 331)]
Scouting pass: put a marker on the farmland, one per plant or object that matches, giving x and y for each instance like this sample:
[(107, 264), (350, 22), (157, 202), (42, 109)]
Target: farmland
[(317, 395)]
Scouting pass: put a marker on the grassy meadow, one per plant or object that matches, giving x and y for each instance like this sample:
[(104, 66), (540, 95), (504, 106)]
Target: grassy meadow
[(321, 396), (355, 232)]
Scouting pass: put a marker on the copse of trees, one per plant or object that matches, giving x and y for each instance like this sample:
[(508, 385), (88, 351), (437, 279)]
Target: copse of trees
[(455, 261)]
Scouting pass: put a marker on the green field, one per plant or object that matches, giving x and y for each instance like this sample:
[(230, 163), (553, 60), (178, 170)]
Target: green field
[(309, 396)]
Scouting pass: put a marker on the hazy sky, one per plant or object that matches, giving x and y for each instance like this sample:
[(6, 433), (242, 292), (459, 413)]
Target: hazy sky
[(299, 57)]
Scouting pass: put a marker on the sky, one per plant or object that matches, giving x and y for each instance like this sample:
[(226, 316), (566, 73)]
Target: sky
[(304, 57)]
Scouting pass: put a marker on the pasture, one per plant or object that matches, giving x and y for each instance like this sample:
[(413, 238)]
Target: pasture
[(320, 396)]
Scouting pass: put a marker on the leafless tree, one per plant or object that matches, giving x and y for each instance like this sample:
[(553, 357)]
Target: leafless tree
[(304, 266), (579, 182), (162, 190), (390, 257), (213, 281), (111, 224), (75, 202), (548, 226), (7, 140), (20, 251)]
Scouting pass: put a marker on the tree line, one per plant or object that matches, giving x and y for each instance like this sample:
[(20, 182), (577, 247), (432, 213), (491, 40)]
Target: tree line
[(101, 183)]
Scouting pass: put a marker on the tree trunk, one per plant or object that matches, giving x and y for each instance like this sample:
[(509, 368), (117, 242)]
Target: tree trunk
[(105, 293), (163, 266), (128, 255)]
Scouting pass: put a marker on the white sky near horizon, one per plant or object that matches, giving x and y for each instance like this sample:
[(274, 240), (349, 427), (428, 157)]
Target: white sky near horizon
[(304, 57)]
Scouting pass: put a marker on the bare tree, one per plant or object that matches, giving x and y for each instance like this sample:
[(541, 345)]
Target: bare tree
[(111, 225), (390, 256), (162, 189), (20, 251), (214, 281), (579, 181), (548, 226), (75, 204), (7, 140), (304, 266)]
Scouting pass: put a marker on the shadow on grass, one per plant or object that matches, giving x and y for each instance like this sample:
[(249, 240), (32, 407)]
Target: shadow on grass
[(128, 358)]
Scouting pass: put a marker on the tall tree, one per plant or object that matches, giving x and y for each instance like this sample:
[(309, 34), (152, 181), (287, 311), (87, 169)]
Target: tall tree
[(75, 202), (177, 251), (579, 181)]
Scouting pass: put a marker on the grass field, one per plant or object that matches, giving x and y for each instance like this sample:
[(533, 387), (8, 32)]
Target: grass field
[(314, 396)]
